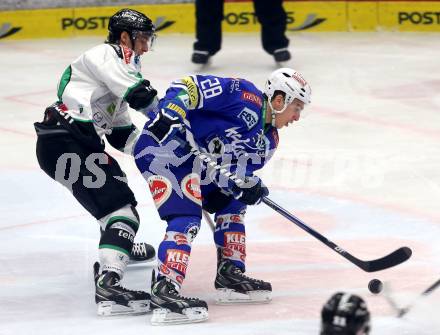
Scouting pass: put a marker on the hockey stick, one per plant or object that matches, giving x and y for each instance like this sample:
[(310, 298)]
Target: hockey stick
[(395, 258), (401, 311), (208, 220)]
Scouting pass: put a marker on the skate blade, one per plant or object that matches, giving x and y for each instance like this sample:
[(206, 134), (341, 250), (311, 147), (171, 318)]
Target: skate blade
[(148, 260), (231, 297), (111, 308), (164, 317)]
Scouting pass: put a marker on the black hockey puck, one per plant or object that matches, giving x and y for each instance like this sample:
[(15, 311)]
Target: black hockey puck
[(375, 286)]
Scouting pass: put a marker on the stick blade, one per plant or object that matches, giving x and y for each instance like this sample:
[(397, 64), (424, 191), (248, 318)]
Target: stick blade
[(395, 258)]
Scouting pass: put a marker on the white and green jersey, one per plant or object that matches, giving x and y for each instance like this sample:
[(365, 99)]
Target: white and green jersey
[(97, 86)]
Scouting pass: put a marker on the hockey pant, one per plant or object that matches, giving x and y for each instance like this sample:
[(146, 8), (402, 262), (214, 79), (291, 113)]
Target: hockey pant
[(96, 180), (174, 182)]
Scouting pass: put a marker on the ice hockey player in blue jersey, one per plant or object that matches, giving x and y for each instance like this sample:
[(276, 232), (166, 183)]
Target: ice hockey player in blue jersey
[(235, 124)]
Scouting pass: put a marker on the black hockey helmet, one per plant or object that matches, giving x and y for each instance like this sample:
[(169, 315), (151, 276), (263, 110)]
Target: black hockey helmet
[(345, 314), (131, 21)]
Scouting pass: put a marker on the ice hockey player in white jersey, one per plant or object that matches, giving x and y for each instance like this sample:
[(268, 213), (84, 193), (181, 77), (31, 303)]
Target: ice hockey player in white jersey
[(94, 93)]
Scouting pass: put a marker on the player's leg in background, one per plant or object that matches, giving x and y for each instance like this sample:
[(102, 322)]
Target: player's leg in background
[(176, 194), (230, 239), (273, 19), (209, 16)]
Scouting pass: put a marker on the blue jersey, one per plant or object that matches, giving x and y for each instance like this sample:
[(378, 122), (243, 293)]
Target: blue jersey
[(226, 117)]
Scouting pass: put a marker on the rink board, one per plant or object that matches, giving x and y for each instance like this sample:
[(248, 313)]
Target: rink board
[(315, 16)]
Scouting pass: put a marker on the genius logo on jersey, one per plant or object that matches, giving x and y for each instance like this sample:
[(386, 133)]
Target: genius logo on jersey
[(7, 30), (252, 98)]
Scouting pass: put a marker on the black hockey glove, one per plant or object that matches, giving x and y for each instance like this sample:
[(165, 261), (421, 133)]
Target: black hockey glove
[(165, 125), (251, 191), (141, 96)]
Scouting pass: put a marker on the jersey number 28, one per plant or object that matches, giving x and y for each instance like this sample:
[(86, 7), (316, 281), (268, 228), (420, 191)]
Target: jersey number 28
[(211, 87)]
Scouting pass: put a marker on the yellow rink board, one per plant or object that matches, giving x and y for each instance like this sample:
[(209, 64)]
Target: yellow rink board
[(313, 16)]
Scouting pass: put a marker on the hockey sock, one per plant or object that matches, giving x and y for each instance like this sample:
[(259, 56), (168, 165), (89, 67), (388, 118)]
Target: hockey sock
[(230, 238), (116, 242), (175, 249)]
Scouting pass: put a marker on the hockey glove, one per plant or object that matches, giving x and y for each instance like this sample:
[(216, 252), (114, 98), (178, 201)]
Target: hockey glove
[(165, 125), (251, 191)]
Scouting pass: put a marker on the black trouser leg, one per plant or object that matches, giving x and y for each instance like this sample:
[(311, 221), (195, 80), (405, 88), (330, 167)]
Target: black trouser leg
[(80, 174), (271, 15), (209, 16)]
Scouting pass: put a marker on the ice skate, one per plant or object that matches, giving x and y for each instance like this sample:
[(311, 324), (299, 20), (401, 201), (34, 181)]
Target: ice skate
[(142, 253), (113, 299), (282, 57), (233, 287), (169, 308)]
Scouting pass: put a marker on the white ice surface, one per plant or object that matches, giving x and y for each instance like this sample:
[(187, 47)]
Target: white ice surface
[(361, 168)]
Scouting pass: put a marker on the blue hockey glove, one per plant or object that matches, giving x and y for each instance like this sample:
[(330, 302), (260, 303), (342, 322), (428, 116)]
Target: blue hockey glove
[(251, 191)]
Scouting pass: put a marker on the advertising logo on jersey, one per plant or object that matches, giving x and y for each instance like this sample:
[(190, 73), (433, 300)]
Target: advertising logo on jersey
[(255, 99), (101, 22), (164, 270), (192, 232), (190, 186), (216, 146), (235, 241), (193, 92), (177, 109), (180, 239), (249, 117), (231, 218), (249, 18), (160, 188), (177, 260), (235, 85), (227, 252), (6, 30), (416, 18)]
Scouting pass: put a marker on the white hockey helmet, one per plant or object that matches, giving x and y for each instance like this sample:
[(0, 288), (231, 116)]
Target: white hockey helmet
[(291, 83)]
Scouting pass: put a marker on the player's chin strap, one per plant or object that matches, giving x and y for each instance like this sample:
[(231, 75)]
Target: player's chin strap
[(274, 111)]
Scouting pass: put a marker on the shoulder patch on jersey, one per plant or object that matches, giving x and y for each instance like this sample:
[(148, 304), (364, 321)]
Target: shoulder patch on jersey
[(193, 92), (255, 99), (249, 117), (118, 50), (177, 109)]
